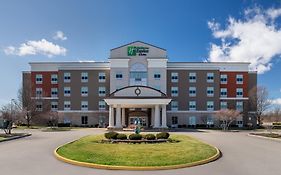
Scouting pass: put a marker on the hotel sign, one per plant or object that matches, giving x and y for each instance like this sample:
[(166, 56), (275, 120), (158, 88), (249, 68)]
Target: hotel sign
[(137, 51)]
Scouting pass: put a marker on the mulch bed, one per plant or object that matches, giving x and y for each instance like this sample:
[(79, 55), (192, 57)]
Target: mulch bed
[(134, 141), (271, 135)]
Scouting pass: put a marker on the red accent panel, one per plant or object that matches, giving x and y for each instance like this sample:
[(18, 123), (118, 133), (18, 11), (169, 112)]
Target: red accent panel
[(231, 83), (46, 84)]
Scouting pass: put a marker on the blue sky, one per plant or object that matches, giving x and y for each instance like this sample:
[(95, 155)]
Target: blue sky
[(190, 31)]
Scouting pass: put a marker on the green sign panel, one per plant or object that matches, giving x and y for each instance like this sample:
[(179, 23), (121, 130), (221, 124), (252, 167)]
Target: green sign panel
[(137, 51)]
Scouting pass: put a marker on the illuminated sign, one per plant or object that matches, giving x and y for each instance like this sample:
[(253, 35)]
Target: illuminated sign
[(137, 51)]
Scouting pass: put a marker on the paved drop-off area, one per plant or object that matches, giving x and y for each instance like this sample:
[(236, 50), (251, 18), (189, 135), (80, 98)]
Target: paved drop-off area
[(242, 155)]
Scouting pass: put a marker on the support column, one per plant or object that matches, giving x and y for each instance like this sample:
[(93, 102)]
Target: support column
[(111, 117), (164, 117), (157, 117), (152, 116), (123, 117), (118, 117)]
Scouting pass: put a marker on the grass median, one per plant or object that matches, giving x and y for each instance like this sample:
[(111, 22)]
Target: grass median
[(89, 149)]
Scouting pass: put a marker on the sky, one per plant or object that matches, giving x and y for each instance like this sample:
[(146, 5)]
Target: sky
[(190, 30)]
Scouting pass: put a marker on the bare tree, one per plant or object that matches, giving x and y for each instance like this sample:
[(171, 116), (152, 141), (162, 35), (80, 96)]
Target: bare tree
[(260, 101), (272, 117), (31, 106), (10, 114), (53, 118), (227, 116)]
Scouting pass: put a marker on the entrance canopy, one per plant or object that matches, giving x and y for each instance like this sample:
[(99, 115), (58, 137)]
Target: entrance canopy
[(137, 97)]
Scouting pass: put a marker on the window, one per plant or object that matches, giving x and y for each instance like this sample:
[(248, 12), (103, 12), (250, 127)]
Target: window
[(84, 105), (84, 120), (239, 106), (39, 79), (223, 92), (54, 79), (239, 92), (210, 77), (157, 76), (223, 105), (174, 91), (223, 79), (138, 78), (192, 77), (102, 105), (174, 105), (210, 105), (210, 120), (174, 120), (84, 91), (84, 77), (239, 79), (192, 105), (67, 77), (239, 123), (39, 92), (119, 76), (54, 106), (101, 77), (67, 105), (54, 92), (192, 120), (174, 77), (210, 91), (66, 91), (39, 106), (192, 91), (101, 91)]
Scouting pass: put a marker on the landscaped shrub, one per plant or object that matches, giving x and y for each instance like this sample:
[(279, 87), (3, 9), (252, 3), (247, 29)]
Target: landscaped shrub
[(111, 135), (122, 136), (162, 135), (135, 137), (150, 137)]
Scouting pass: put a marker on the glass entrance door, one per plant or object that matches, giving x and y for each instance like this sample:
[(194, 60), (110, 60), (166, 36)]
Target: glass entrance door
[(142, 120)]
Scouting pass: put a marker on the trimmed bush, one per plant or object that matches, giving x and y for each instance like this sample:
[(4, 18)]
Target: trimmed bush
[(150, 137), (122, 136), (135, 137), (162, 135), (111, 135)]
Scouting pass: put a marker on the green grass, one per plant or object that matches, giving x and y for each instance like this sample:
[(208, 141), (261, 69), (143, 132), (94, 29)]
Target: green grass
[(89, 149), (2, 138)]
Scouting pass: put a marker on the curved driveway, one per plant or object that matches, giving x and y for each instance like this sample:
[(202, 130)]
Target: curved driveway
[(242, 155)]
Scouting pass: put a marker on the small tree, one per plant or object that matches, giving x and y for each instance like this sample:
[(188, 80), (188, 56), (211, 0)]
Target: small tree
[(53, 118), (259, 101), (10, 114), (271, 117), (227, 116), (28, 105)]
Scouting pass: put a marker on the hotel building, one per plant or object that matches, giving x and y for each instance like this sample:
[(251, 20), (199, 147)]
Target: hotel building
[(139, 83)]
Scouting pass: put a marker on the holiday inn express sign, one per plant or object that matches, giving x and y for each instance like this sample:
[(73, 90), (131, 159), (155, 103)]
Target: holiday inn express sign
[(137, 51)]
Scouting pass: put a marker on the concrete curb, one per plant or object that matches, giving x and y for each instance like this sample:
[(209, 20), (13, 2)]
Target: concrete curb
[(136, 168), (263, 137), (15, 137)]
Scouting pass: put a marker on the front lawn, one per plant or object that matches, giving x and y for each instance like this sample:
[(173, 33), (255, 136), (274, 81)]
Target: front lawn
[(90, 149)]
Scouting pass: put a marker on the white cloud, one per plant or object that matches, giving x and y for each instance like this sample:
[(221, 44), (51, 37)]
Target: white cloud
[(9, 50), (42, 47), (59, 35), (274, 13), (256, 39), (276, 101)]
